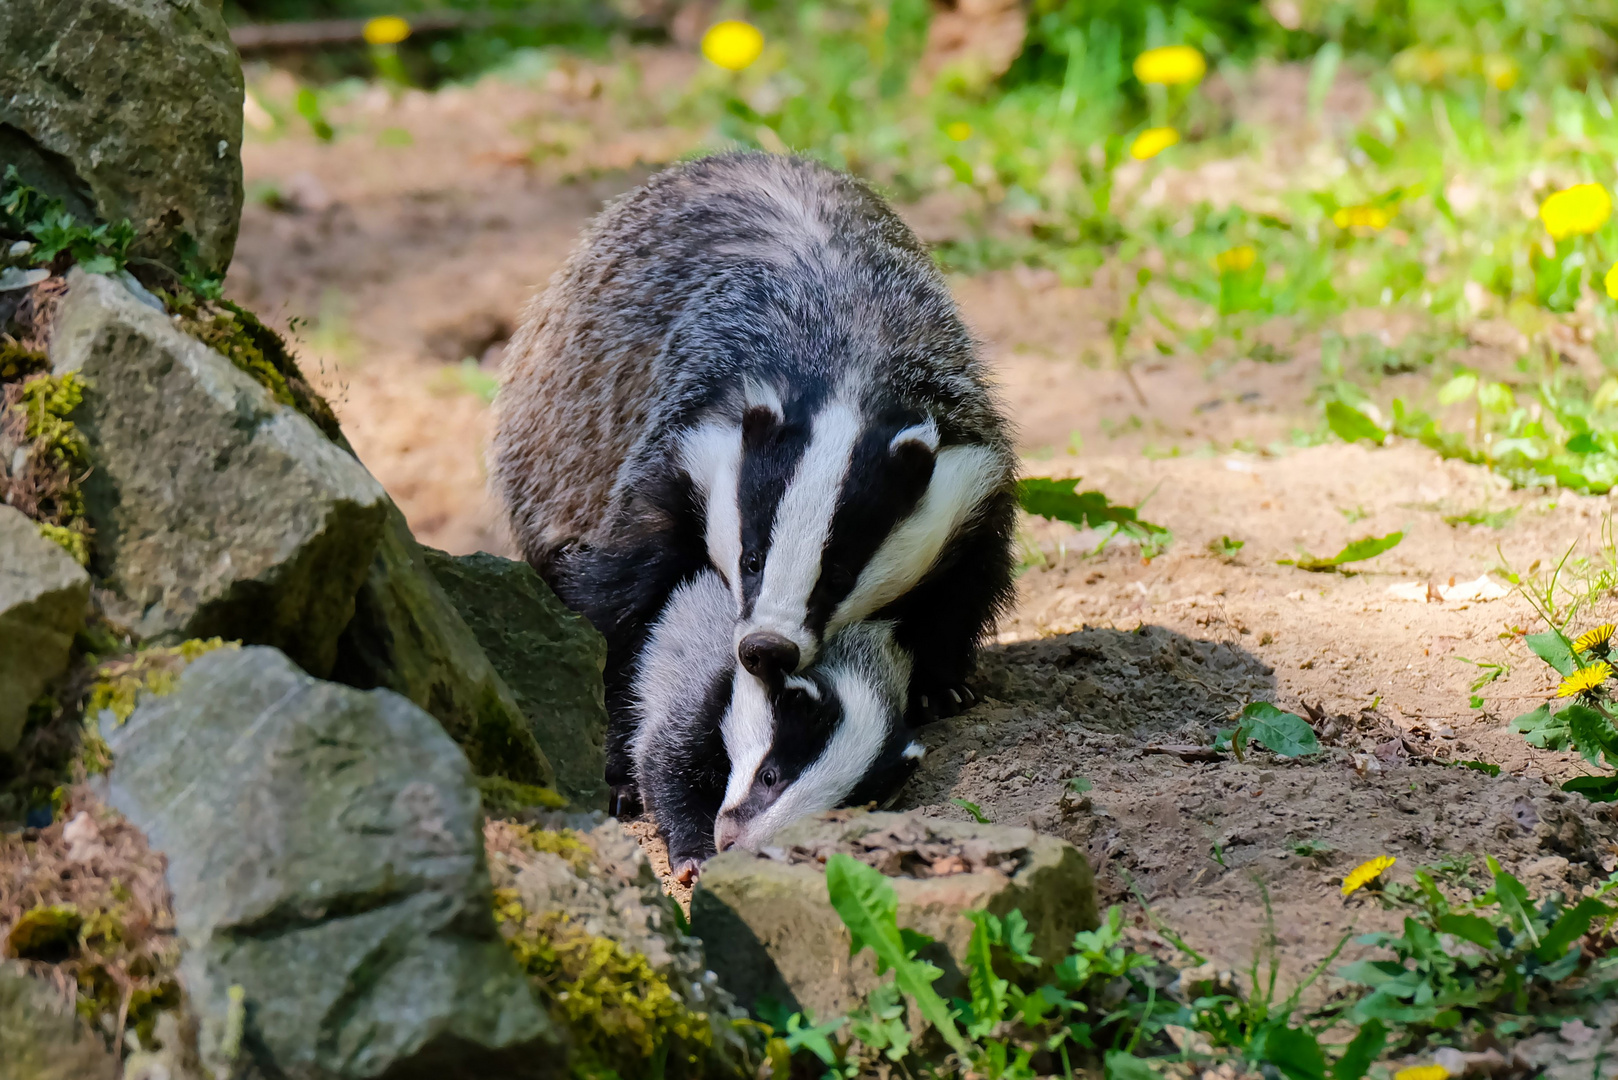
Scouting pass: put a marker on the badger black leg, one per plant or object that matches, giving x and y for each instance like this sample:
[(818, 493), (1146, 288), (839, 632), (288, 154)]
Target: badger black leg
[(943, 619), (682, 778)]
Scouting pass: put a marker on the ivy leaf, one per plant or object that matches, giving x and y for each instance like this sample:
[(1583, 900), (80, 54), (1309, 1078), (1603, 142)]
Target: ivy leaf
[(1351, 425)]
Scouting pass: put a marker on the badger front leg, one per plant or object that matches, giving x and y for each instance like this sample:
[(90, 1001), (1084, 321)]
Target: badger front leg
[(682, 775)]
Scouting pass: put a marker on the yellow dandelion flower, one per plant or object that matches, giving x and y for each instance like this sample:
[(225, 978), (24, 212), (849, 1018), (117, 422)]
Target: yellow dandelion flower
[(1362, 217), (1584, 679), (1422, 1072), (1611, 281), (1576, 211), (1170, 65), (1599, 636), (1365, 873), (959, 131), (1236, 259), (386, 30), (1500, 70), (1152, 142), (732, 44)]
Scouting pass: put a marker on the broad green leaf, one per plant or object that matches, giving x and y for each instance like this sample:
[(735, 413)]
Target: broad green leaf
[(1555, 650), (1457, 389), (1570, 927), (1365, 1048), (1488, 767), (972, 808), (1360, 550), (1123, 1066), (869, 908), (1591, 733), (1543, 728), (1496, 397), (1284, 733), (1059, 500), (1474, 928), (1296, 1052), (988, 992), (1513, 899), (1018, 940), (1594, 788), (1351, 425), (800, 1034)]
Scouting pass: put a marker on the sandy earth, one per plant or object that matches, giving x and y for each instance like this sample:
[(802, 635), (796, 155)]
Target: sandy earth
[(393, 263)]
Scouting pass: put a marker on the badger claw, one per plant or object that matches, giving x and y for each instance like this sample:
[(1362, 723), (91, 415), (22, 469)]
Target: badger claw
[(686, 870), (624, 801), (952, 700)]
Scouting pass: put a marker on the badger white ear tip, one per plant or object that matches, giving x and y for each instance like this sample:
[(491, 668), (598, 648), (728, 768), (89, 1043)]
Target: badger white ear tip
[(924, 434)]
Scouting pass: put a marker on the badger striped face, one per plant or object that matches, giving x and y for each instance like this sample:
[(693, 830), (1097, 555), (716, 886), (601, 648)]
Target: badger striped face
[(815, 739), (819, 514)]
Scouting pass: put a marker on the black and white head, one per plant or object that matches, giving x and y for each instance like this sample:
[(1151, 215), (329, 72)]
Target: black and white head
[(801, 744), (821, 510)]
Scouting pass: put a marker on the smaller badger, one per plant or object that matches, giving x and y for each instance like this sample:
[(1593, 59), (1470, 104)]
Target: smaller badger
[(835, 733)]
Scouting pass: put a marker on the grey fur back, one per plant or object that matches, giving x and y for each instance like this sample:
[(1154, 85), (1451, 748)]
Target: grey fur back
[(716, 268)]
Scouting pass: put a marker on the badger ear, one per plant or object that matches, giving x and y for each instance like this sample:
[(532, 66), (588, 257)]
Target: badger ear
[(915, 448), (757, 423)]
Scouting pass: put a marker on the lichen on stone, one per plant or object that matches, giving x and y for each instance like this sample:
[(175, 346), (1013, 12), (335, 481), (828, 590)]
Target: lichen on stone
[(238, 335), (621, 1013), (508, 798), (120, 684), (45, 454)]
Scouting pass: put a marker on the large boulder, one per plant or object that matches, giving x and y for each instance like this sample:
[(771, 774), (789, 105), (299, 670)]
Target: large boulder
[(216, 511), (43, 597), (407, 636), (783, 940), (328, 878), (128, 109), (550, 657), (41, 1036)]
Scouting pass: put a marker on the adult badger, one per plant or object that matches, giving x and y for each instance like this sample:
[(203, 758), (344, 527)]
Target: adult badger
[(752, 363), (837, 731)]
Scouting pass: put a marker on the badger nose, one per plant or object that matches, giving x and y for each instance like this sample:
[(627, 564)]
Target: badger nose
[(767, 654), (726, 832)]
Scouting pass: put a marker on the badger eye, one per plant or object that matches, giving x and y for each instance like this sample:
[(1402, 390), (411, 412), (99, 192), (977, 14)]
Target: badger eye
[(768, 778), (752, 562)]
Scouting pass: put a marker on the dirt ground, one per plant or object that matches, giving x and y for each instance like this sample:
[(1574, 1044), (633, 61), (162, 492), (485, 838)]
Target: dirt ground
[(394, 263)]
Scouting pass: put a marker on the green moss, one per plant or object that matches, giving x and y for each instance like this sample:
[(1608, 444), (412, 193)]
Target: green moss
[(624, 1018), (73, 542), (507, 798), (17, 362), (238, 335), (120, 684)]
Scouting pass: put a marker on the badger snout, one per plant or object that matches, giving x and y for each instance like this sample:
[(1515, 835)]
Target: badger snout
[(726, 832), (768, 655)]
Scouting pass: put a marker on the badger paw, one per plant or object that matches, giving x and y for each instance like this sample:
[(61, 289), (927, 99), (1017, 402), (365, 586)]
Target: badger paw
[(624, 801), (686, 869), (941, 704)]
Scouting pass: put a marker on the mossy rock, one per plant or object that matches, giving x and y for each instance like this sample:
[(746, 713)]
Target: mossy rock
[(44, 596), (551, 658)]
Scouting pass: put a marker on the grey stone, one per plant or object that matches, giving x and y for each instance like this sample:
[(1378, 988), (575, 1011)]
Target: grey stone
[(550, 657), (43, 598), (41, 1037), (217, 511), (407, 636), (325, 856), (781, 938), (128, 109)]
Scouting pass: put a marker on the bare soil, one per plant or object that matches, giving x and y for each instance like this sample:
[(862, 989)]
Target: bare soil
[(403, 260)]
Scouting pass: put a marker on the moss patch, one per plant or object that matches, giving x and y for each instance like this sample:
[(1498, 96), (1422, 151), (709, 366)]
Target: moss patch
[(86, 895), (508, 798), (34, 411), (624, 1018), (238, 335), (120, 684)]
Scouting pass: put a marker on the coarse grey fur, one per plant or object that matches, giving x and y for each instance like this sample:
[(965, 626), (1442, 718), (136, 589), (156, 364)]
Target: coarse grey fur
[(608, 366)]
